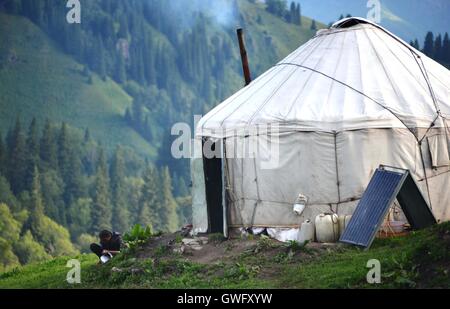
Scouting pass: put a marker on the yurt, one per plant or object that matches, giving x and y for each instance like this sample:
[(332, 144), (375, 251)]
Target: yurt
[(353, 97)]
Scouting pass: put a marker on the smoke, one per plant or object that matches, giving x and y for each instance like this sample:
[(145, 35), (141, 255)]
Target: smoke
[(223, 12)]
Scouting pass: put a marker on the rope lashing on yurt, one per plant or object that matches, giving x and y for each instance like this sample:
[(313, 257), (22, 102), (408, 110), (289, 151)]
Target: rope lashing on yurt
[(228, 185), (337, 170), (258, 195), (439, 114), (447, 130)]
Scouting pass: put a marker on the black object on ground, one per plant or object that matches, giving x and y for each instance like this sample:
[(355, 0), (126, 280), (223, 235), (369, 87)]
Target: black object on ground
[(387, 184)]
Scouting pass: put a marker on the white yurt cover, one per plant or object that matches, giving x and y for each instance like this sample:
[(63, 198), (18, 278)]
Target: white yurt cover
[(353, 97), (345, 78)]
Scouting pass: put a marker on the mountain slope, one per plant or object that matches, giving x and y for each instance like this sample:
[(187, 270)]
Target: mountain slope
[(270, 37), (38, 80)]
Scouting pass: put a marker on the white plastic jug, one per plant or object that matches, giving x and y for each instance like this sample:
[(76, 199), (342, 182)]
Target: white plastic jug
[(343, 222), (300, 204), (327, 228), (306, 232)]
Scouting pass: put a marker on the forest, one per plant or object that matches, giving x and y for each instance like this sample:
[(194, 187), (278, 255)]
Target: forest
[(57, 189)]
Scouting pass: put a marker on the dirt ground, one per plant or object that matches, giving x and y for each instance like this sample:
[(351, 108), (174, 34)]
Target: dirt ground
[(211, 249)]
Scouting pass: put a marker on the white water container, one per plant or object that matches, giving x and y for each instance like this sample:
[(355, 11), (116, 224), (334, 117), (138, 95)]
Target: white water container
[(327, 228), (343, 222), (300, 204), (306, 232)]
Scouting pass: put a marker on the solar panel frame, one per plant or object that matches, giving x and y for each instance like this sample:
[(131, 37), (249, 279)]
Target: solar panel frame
[(358, 231), (414, 205)]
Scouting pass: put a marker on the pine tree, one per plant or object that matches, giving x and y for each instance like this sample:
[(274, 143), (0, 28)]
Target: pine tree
[(276, 7), (292, 13), (75, 187), (52, 194), (2, 155), (101, 212), (120, 72), (32, 152), (48, 147), (446, 49), (121, 216), (12, 7), (181, 188), (299, 14), (438, 55), (87, 136), (36, 206), (149, 204), (133, 191), (428, 46), (128, 117), (137, 114), (169, 204), (313, 25), (7, 196), (149, 61), (98, 60), (123, 28), (64, 150), (17, 158)]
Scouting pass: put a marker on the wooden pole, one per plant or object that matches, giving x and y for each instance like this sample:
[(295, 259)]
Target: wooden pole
[(244, 57)]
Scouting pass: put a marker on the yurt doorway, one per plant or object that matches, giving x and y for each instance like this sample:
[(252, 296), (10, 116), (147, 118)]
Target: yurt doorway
[(215, 189)]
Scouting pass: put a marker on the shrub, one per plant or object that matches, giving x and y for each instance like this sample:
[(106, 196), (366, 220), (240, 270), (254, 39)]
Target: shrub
[(137, 236)]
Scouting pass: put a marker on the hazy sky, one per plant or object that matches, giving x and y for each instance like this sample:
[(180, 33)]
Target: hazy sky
[(407, 18)]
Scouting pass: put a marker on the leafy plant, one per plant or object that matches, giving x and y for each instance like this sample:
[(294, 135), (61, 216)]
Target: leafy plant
[(294, 246), (264, 243), (241, 271), (137, 236), (284, 257), (405, 274)]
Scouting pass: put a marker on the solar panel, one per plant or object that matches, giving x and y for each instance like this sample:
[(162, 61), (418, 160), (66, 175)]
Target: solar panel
[(383, 188)]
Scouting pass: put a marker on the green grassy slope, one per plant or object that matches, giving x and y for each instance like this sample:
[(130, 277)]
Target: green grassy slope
[(37, 80), (421, 260), (263, 29)]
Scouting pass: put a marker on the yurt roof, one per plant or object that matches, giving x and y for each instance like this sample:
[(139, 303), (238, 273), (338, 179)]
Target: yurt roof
[(355, 75)]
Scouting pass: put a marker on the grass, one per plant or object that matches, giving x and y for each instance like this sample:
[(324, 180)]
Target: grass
[(38, 80), (421, 260), (405, 263), (47, 275)]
